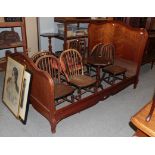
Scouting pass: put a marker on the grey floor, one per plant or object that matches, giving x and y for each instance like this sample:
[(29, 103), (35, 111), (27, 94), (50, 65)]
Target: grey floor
[(109, 118)]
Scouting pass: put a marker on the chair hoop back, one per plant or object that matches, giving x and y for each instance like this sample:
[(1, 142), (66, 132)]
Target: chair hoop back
[(50, 64), (78, 44), (35, 56), (96, 48), (108, 52), (71, 63)]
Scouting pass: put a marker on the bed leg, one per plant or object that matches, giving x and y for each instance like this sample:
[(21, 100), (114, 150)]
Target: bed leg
[(53, 125), (135, 84)]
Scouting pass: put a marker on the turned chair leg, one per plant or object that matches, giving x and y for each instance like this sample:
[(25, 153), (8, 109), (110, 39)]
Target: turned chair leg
[(79, 93), (113, 79), (72, 98), (152, 63)]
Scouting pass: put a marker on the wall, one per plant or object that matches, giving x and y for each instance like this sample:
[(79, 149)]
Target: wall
[(47, 25), (32, 34)]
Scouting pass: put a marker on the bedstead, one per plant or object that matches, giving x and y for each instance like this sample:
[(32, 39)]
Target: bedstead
[(129, 43)]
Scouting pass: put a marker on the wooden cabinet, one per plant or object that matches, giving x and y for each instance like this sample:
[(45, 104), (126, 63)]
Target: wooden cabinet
[(70, 20), (22, 43)]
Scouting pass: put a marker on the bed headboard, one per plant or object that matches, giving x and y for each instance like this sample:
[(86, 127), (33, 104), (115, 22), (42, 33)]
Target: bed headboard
[(129, 42)]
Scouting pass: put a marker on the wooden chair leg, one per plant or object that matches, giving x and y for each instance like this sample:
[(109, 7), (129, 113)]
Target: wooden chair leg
[(124, 76), (152, 63), (113, 80), (72, 98), (79, 93)]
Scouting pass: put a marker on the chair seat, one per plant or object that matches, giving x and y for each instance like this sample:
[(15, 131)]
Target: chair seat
[(82, 80), (115, 70), (62, 90)]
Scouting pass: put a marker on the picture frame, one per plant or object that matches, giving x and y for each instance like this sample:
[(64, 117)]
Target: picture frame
[(13, 85), (23, 109)]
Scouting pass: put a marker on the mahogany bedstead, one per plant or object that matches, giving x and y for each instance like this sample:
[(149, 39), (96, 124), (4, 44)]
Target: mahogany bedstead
[(129, 43)]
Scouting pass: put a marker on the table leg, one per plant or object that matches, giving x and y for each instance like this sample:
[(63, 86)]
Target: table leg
[(49, 44), (98, 77)]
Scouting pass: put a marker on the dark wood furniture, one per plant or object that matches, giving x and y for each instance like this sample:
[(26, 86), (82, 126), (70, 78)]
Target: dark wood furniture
[(143, 127), (98, 63), (79, 44), (37, 55), (130, 44), (50, 64), (149, 24), (113, 72), (75, 20), (72, 66), (49, 36), (15, 45)]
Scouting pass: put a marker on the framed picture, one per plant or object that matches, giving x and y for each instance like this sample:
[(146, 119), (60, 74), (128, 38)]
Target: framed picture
[(13, 85), (23, 109)]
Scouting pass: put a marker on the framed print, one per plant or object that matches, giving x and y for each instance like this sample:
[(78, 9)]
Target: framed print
[(23, 109), (13, 85)]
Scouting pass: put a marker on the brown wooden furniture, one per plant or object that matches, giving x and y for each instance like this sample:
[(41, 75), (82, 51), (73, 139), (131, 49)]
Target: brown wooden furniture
[(72, 66), (79, 44), (98, 62), (51, 64), (144, 128), (75, 20), (15, 45), (113, 72), (49, 36), (149, 24), (37, 55), (148, 118), (130, 45)]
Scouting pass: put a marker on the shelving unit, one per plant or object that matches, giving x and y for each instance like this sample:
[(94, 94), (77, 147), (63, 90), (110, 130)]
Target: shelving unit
[(73, 20), (22, 43)]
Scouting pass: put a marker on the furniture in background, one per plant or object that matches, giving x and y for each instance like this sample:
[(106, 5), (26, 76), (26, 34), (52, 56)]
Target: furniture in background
[(10, 37), (80, 45), (50, 64), (65, 36), (72, 66), (77, 31), (49, 36), (143, 127), (148, 118)]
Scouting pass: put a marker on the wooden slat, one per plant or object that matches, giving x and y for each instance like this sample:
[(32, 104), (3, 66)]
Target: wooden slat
[(11, 24)]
